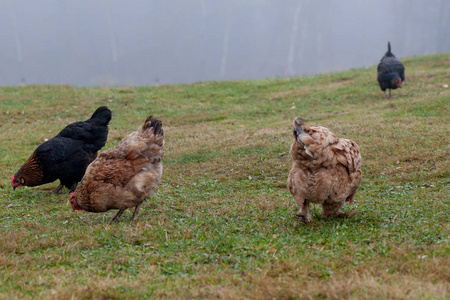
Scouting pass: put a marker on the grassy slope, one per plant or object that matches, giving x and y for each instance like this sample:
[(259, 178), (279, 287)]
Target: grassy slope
[(222, 224)]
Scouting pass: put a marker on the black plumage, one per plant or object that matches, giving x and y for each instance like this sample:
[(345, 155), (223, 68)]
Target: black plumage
[(67, 155), (391, 72)]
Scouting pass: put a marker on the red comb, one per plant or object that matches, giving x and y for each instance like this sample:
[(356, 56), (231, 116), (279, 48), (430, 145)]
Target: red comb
[(12, 179)]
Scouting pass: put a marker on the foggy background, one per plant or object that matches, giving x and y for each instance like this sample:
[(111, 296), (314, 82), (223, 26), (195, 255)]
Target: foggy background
[(147, 42)]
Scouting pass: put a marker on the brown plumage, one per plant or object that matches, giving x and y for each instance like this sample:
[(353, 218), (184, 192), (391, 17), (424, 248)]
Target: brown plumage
[(123, 176), (326, 170)]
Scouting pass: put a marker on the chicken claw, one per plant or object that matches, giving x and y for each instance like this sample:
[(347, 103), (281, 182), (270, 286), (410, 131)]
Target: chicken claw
[(302, 218)]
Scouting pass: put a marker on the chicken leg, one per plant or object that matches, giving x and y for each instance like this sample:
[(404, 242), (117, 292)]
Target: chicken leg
[(57, 190), (135, 214), (119, 213), (303, 214), (73, 187)]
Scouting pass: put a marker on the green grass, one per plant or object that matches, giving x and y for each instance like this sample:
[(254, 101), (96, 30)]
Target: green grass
[(222, 224)]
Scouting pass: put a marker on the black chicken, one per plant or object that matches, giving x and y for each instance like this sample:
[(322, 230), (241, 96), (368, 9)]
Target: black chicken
[(391, 72), (67, 155)]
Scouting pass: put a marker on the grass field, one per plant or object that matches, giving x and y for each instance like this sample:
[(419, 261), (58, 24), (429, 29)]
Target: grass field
[(222, 224)]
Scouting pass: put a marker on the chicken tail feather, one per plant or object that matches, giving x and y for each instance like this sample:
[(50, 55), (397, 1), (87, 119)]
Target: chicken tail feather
[(389, 53), (154, 123)]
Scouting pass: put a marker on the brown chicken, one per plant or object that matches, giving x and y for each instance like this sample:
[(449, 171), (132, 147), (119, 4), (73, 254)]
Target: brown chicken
[(326, 170), (123, 176)]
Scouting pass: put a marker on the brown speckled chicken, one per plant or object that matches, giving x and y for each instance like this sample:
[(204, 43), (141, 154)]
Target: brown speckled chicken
[(123, 176), (326, 170)]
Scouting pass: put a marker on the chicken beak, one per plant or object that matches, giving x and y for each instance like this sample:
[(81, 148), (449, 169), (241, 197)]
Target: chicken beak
[(297, 132), (12, 182)]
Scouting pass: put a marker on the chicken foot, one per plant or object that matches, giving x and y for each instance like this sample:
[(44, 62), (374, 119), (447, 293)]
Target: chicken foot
[(341, 214), (334, 210)]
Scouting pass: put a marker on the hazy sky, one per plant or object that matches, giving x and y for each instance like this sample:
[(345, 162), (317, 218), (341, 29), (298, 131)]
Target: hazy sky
[(148, 42)]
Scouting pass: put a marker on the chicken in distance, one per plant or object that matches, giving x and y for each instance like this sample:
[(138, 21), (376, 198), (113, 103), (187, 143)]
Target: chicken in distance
[(391, 72)]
